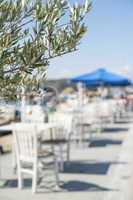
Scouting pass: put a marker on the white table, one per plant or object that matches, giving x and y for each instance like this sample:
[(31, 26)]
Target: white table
[(40, 126)]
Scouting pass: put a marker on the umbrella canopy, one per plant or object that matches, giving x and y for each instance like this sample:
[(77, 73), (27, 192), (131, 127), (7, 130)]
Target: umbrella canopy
[(102, 77)]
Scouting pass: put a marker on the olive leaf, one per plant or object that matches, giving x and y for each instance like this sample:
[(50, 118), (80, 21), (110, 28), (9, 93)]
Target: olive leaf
[(32, 32)]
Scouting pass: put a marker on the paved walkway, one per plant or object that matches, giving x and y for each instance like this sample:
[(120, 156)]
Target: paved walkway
[(123, 174), (102, 170)]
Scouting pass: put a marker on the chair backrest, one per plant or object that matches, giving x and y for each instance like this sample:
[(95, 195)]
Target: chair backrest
[(64, 120), (90, 113), (105, 109), (34, 114), (25, 136)]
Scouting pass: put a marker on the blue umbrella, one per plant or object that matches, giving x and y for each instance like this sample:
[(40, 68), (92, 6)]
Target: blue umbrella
[(102, 77)]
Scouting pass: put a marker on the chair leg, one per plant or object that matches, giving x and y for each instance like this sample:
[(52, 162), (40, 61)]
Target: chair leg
[(34, 179), (20, 181), (68, 147), (68, 151), (61, 157), (14, 159), (56, 171)]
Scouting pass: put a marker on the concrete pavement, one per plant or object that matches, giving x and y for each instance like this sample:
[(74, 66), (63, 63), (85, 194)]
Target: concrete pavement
[(102, 170)]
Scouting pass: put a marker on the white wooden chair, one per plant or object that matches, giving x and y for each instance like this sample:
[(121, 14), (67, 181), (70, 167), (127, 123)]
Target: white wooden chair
[(28, 155), (86, 120), (63, 134)]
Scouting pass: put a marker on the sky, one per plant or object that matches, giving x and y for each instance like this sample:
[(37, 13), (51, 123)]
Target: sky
[(107, 44)]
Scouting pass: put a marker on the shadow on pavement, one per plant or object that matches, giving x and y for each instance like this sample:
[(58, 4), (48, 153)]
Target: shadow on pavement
[(114, 130), (123, 122), (98, 168), (93, 168), (104, 142), (13, 183), (74, 185), (70, 186)]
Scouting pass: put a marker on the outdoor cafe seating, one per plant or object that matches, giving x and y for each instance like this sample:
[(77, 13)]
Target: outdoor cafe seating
[(37, 142)]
